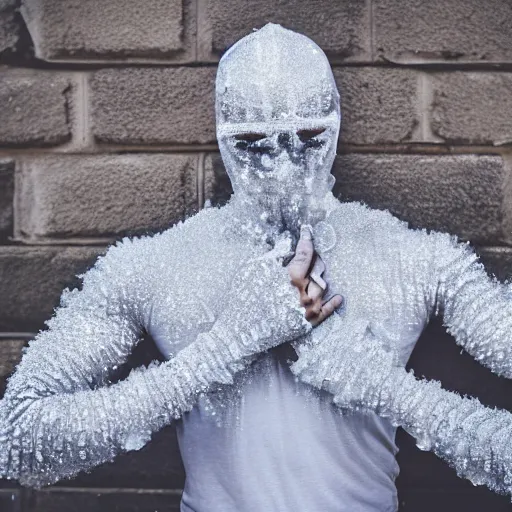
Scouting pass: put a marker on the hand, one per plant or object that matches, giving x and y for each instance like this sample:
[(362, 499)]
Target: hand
[(311, 293), (263, 308)]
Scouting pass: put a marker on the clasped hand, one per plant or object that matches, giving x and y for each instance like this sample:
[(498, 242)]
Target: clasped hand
[(311, 293)]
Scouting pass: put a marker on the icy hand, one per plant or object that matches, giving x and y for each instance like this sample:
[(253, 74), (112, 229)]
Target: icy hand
[(307, 281), (263, 308)]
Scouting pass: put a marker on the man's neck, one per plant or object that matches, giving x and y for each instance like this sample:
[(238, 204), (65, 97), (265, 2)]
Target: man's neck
[(255, 225)]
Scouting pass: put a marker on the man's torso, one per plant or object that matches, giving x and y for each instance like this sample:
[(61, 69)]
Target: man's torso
[(268, 442)]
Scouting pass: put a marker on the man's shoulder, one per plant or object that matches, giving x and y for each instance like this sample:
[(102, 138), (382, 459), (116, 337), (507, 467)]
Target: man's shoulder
[(358, 221), (361, 216), (147, 248)]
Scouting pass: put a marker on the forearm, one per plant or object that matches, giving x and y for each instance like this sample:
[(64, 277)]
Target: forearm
[(471, 438), (58, 416), (363, 376), (46, 439), (477, 310)]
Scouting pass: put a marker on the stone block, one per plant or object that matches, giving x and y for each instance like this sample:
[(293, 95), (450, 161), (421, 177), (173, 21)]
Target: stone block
[(10, 500), (32, 280), (460, 194), (443, 30), (498, 261), (85, 500), (35, 107), (341, 29), (6, 197), (472, 107), (9, 27), (217, 187), (154, 105), (10, 355), (106, 29), (104, 195), (378, 105)]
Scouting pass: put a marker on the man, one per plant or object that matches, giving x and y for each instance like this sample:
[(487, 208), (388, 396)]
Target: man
[(258, 432)]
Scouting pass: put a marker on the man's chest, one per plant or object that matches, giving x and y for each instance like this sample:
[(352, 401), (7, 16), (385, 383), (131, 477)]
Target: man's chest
[(189, 295)]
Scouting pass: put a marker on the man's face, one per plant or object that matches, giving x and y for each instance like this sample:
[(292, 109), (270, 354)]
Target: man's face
[(280, 170), (277, 125)]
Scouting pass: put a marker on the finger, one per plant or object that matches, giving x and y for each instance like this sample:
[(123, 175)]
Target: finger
[(305, 299), (317, 271), (314, 310), (314, 291), (299, 265), (328, 309)]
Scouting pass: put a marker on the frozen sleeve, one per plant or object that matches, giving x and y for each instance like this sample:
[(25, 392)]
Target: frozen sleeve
[(477, 309), (60, 415), (364, 374)]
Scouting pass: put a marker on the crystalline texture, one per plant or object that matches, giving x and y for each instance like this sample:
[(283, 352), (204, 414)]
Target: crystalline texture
[(214, 297), (278, 120), (364, 373), (59, 418)]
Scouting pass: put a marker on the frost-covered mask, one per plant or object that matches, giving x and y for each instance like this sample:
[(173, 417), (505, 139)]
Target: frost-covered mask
[(278, 120)]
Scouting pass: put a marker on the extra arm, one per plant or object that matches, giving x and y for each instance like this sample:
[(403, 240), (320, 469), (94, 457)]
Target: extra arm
[(59, 416), (477, 309), (363, 375)]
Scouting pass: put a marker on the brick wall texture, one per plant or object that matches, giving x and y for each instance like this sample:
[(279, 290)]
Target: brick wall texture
[(107, 129)]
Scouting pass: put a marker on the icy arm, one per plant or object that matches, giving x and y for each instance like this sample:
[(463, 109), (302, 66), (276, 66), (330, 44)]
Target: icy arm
[(58, 418), (477, 310), (363, 375)]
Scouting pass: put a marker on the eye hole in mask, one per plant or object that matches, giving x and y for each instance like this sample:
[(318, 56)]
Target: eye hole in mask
[(250, 137), (308, 138), (254, 142), (305, 135), (248, 141)]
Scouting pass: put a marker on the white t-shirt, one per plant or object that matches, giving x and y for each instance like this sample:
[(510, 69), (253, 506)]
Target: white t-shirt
[(273, 444)]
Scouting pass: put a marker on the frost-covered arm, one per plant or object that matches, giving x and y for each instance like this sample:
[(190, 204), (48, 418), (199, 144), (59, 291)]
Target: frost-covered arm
[(364, 374), (58, 418), (477, 309)]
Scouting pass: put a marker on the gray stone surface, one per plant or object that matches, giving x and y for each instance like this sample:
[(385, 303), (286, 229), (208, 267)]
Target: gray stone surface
[(102, 195), (378, 105), (498, 261), (83, 500), (6, 197), (10, 501), (32, 280), (443, 30), (217, 187), (460, 194), (472, 107), (154, 106), (341, 29), (34, 108), (9, 26), (75, 29), (10, 355)]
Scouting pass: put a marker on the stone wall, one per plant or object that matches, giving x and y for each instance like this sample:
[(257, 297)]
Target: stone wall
[(107, 129)]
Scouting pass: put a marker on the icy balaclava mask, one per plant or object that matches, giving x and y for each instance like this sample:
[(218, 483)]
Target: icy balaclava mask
[(278, 120)]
